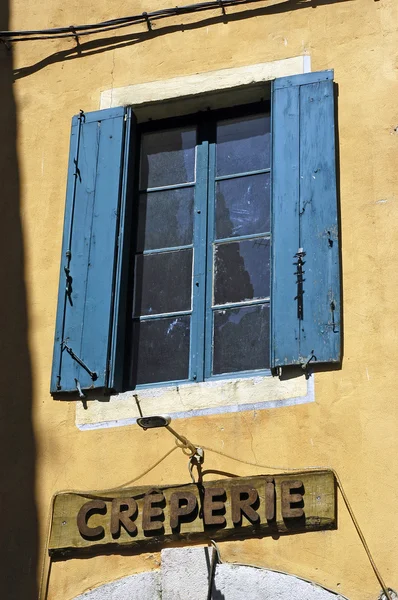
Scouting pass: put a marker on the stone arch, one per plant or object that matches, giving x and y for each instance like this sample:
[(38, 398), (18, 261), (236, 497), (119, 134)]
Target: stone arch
[(184, 575)]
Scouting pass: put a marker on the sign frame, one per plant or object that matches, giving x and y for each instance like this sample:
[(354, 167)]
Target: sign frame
[(226, 509)]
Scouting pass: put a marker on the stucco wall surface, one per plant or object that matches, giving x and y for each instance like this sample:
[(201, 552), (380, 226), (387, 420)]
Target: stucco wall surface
[(351, 425)]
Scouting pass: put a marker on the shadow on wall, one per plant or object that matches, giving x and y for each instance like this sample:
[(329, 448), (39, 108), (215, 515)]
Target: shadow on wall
[(18, 548), (99, 45)]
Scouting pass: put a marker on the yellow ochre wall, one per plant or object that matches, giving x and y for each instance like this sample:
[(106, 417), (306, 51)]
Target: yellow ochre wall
[(351, 425)]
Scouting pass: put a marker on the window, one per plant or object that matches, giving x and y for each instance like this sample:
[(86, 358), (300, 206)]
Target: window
[(173, 271), (202, 248)]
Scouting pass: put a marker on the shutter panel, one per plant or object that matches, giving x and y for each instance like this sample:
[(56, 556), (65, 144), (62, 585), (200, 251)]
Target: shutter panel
[(89, 252), (306, 315)]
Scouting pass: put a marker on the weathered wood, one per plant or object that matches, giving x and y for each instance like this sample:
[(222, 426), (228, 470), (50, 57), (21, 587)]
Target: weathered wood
[(305, 270), (223, 509), (89, 251)]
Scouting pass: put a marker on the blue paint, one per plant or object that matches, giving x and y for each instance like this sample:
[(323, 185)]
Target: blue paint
[(88, 317), (117, 354), (285, 225), (304, 204), (93, 320)]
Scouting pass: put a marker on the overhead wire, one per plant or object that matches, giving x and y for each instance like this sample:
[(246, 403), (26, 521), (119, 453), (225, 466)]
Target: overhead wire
[(75, 31)]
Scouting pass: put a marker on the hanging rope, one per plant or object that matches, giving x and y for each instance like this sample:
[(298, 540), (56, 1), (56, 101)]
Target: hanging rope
[(343, 494), (47, 561), (218, 561), (46, 565)]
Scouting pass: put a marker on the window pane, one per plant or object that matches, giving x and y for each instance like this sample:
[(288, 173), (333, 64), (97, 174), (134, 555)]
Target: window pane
[(163, 282), (241, 339), (243, 145), (165, 219), (167, 157), (241, 271), (161, 350), (243, 206)]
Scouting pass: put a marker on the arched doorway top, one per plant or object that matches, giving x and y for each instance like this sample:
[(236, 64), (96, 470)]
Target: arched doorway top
[(185, 573)]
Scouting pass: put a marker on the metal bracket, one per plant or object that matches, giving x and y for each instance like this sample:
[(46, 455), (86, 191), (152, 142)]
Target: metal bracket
[(299, 281), (196, 460), (306, 361), (79, 389), (148, 21), (79, 361), (6, 44), (69, 280), (73, 30)]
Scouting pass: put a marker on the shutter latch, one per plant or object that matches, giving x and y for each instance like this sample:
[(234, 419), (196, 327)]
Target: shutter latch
[(299, 281), (69, 280), (79, 389), (306, 361), (69, 350)]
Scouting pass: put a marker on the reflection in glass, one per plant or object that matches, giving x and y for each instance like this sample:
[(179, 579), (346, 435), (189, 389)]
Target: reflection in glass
[(241, 339), (165, 219), (163, 282), (243, 145), (243, 206), (167, 157), (161, 350), (241, 270)]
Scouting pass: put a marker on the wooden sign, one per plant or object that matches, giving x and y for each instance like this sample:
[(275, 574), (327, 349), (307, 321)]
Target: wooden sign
[(223, 509)]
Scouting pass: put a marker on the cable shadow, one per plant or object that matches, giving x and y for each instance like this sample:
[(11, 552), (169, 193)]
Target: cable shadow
[(19, 530), (111, 43)]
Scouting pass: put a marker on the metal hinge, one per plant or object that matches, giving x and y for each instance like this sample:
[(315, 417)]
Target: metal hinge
[(299, 281)]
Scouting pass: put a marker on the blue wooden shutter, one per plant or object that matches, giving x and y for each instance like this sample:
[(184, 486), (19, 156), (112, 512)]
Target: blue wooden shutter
[(90, 261), (305, 317)]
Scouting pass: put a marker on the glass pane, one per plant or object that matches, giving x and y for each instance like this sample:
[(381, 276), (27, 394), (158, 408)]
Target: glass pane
[(167, 157), (242, 206), (163, 282), (161, 350), (165, 219), (241, 339), (243, 145), (241, 271)]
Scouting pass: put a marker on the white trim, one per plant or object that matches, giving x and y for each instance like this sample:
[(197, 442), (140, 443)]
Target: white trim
[(203, 83), (125, 403), (307, 63)]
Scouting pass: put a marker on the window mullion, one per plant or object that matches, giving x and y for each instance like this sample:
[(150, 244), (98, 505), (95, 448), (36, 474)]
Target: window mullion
[(210, 250), (199, 262)]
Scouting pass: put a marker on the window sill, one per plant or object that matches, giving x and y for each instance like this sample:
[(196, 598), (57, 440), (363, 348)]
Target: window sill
[(195, 399)]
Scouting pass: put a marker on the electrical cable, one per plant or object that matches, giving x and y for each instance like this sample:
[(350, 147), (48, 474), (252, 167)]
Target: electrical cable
[(75, 31), (47, 562), (343, 494), (239, 564), (110, 25)]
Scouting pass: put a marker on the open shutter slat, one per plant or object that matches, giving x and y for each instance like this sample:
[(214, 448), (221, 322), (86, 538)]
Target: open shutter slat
[(285, 203), (305, 217), (117, 356), (85, 320), (320, 330)]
